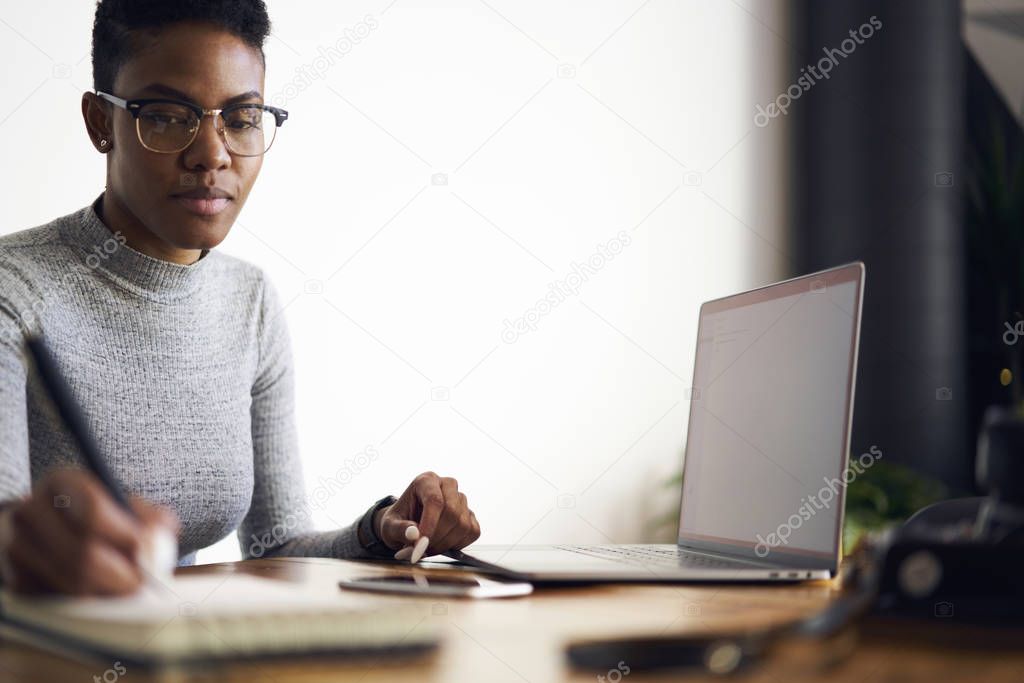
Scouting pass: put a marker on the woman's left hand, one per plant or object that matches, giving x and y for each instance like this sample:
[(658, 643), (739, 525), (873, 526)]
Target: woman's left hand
[(436, 507)]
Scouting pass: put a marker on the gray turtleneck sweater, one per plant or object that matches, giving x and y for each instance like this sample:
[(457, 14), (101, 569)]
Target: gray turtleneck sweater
[(184, 374)]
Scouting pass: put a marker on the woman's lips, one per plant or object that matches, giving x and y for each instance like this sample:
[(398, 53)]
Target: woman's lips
[(204, 207)]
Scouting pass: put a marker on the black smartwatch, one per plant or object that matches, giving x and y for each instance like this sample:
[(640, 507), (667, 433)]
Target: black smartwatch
[(376, 546)]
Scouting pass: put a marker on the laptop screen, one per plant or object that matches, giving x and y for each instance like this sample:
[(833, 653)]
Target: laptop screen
[(770, 412)]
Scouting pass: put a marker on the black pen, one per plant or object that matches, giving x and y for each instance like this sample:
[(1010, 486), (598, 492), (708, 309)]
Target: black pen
[(60, 393), (161, 552)]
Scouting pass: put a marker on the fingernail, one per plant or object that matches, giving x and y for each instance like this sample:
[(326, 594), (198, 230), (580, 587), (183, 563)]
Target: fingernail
[(412, 534), (421, 547), (405, 553)]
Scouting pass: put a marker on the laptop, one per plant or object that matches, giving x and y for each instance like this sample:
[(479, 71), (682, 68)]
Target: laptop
[(765, 467)]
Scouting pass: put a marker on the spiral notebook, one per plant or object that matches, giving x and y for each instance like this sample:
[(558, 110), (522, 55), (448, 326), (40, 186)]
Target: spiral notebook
[(228, 616)]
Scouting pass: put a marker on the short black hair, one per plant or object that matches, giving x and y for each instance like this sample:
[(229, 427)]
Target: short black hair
[(115, 32)]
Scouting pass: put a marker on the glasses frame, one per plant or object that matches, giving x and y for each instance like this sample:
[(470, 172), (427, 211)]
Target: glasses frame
[(134, 107)]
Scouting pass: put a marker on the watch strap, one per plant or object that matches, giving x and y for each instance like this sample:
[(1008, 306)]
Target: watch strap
[(376, 546)]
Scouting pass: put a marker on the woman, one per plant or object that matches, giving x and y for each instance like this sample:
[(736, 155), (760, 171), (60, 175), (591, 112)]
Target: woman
[(176, 351)]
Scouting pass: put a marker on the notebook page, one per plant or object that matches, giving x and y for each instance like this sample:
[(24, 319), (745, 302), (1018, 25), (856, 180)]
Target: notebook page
[(203, 596)]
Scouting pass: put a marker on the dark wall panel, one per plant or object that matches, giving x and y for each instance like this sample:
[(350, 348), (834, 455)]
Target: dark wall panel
[(875, 143)]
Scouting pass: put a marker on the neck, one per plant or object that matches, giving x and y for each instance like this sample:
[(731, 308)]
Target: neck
[(118, 218)]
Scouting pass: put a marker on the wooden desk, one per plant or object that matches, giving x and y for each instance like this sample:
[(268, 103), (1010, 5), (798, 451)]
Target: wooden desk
[(522, 639)]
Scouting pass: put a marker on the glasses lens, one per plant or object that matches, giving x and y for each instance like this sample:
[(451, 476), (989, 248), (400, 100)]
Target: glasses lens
[(249, 131), (166, 127)]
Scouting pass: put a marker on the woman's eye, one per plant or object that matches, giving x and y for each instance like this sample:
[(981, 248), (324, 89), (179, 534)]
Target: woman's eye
[(244, 120)]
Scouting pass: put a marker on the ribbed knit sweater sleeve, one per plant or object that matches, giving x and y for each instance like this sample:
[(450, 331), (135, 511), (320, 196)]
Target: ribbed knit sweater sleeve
[(15, 470), (279, 519)]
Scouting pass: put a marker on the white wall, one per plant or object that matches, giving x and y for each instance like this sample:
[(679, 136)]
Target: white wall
[(397, 288)]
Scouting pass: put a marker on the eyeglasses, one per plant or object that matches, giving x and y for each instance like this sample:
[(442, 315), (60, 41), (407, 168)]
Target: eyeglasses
[(169, 126)]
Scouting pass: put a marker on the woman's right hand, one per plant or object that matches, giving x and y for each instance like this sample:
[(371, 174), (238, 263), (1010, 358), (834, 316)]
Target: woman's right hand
[(69, 536)]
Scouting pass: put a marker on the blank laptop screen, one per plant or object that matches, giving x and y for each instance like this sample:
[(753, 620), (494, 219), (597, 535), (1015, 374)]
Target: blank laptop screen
[(769, 418)]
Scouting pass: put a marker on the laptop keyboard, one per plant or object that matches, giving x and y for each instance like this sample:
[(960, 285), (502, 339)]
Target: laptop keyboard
[(668, 556)]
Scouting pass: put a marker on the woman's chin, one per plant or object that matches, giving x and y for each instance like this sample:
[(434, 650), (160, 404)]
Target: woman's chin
[(191, 231), (199, 237)]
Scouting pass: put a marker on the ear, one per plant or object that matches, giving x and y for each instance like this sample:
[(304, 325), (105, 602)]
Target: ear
[(99, 122)]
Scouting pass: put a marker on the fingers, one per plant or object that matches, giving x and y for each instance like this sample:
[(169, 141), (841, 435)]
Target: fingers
[(21, 581), (24, 582), (80, 500), (456, 513), (53, 556), (458, 526), (395, 531), (474, 535), (428, 492), (31, 571), (71, 537), (465, 533), (104, 571), (445, 518)]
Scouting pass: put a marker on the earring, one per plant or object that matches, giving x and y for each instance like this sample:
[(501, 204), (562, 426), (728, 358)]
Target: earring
[(103, 143)]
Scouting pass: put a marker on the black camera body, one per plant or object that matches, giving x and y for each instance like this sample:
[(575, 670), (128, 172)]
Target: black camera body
[(927, 575), (963, 559)]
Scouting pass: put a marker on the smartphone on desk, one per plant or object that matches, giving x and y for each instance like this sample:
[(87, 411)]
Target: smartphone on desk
[(438, 586)]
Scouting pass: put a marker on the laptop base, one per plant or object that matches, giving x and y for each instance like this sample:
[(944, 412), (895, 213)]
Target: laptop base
[(550, 564)]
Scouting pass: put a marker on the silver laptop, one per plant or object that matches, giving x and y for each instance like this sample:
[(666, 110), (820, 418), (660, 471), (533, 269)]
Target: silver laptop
[(765, 471)]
